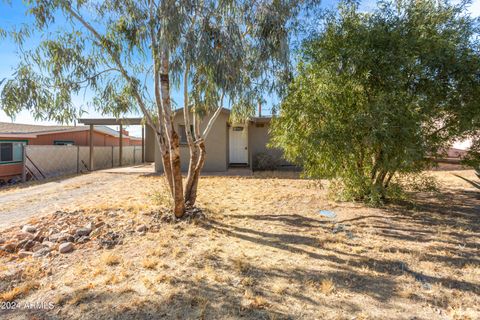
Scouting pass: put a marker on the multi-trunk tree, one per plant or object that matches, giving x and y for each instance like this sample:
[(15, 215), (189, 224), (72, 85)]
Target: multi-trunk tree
[(128, 54), (382, 93)]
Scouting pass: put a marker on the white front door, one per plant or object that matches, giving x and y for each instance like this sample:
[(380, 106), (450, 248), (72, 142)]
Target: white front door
[(238, 144)]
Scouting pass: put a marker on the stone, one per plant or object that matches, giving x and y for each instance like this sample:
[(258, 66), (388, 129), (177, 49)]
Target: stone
[(41, 253), (2, 241), (141, 228), (29, 244), (38, 236), (83, 239), (24, 235), (61, 237), (10, 247), (29, 228), (21, 244), (65, 247), (24, 254), (338, 228), (52, 231), (110, 240), (48, 244), (38, 246), (83, 232)]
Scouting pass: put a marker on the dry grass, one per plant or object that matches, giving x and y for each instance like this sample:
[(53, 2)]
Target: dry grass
[(327, 286), (264, 252), (110, 258), (16, 292), (149, 263), (241, 264)]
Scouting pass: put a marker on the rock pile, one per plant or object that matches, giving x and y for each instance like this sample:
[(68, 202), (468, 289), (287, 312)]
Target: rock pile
[(58, 233), (64, 232)]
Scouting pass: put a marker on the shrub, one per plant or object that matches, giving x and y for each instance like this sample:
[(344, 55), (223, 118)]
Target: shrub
[(264, 161), (353, 112)]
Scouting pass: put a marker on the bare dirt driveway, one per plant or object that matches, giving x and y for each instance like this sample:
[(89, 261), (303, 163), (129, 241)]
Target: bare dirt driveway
[(22, 203)]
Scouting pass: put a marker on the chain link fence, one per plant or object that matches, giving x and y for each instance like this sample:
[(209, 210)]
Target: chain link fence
[(51, 161)]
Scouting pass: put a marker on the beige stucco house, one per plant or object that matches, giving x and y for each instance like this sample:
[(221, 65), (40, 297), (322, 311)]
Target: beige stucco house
[(227, 144)]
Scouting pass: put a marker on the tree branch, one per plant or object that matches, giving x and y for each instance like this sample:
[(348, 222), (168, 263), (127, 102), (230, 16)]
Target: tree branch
[(213, 118), (98, 74), (117, 61)]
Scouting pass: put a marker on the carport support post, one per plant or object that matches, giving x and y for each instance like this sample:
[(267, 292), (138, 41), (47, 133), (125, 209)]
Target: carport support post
[(90, 159), (143, 143), (24, 163), (121, 145), (78, 159)]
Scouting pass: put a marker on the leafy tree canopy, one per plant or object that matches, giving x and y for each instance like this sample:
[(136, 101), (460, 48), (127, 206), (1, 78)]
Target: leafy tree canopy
[(381, 93), (239, 47), (129, 53)]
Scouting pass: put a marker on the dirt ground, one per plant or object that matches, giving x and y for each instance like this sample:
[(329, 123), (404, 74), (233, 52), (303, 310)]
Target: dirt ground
[(262, 252), (36, 198)]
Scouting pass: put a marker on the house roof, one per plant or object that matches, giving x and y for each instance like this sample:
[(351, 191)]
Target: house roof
[(111, 121), (262, 119), (19, 130)]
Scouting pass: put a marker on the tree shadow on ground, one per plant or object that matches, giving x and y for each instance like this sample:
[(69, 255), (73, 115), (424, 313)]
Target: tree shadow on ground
[(450, 220), (294, 220), (471, 182), (188, 300)]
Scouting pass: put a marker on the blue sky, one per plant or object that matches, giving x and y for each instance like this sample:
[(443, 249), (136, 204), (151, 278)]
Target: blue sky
[(14, 14)]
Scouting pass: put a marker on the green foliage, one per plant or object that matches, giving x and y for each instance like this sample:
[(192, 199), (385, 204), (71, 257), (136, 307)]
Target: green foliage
[(109, 50), (473, 156), (379, 94), (264, 161)]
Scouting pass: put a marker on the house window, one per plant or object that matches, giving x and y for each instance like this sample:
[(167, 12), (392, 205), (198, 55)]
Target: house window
[(63, 143), (11, 151), (183, 134)]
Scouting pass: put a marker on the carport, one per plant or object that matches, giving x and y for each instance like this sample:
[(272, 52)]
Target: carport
[(113, 122)]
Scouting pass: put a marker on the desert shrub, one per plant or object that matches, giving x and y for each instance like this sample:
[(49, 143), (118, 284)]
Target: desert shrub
[(356, 111), (264, 161), (399, 189)]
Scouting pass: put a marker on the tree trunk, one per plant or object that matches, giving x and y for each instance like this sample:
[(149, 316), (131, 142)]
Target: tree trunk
[(194, 172), (167, 171), (191, 188), (173, 140), (389, 178), (191, 173), (192, 145), (379, 182), (179, 207)]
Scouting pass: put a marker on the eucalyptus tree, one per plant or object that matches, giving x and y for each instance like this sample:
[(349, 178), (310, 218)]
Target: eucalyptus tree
[(129, 54), (382, 93)]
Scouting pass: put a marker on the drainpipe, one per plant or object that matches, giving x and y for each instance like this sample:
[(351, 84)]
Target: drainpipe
[(259, 109)]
